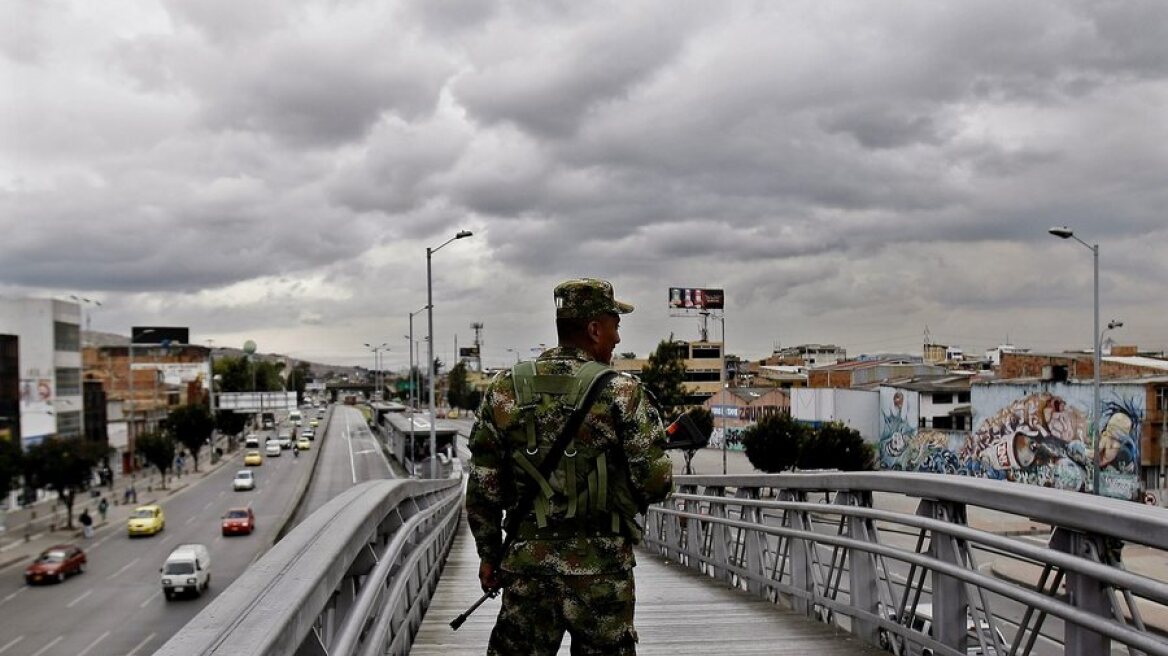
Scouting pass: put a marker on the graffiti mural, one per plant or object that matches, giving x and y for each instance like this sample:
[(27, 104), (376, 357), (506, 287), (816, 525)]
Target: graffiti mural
[(1036, 434)]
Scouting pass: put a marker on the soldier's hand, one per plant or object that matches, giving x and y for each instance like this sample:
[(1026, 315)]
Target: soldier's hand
[(488, 577)]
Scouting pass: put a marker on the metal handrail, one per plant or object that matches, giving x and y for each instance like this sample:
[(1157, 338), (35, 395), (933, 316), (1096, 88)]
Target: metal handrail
[(762, 535), (325, 581)]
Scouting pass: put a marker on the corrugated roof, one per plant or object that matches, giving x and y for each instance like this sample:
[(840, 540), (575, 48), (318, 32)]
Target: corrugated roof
[(1138, 361)]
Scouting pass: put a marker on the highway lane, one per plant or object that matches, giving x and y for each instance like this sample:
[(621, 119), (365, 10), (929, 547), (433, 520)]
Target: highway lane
[(350, 456), (117, 606)]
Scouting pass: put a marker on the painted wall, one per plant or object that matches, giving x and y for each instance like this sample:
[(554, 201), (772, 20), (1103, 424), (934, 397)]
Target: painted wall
[(1029, 433)]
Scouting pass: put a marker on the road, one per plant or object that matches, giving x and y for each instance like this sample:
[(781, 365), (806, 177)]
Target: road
[(116, 606)]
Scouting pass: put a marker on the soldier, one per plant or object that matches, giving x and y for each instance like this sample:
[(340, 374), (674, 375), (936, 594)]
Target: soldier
[(570, 564)]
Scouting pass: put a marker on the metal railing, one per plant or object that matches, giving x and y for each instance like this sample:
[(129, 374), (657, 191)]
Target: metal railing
[(355, 577), (913, 583)]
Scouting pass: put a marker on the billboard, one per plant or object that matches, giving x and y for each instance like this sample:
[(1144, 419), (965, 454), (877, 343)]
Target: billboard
[(468, 351), (160, 335), (692, 298), (256, 401)]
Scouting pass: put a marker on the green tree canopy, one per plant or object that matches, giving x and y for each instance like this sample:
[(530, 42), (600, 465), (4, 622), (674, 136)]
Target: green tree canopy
[(229, 422), (458, 390), (11, 465), (664, 377), (158, 449), (835, 446), (298, 379), (191, 425), (774, 443), (64, 465)]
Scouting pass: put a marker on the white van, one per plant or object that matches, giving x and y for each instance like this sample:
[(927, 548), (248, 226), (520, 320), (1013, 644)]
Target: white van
[(187, 570)]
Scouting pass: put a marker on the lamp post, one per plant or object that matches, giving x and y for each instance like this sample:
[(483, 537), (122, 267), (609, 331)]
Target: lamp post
[(462, 234), (88, 318), (1096, 337), (377, 364)]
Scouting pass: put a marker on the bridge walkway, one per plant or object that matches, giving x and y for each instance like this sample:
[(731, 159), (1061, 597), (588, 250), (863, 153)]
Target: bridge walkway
[(678, 612)]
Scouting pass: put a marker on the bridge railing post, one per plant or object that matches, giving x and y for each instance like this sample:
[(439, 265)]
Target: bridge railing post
[(1083, 591), (799, 555), (950, 599), (863, 573)]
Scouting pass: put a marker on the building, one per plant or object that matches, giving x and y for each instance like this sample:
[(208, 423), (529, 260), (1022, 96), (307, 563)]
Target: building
[(49, 366), (855, 408), (869, 373), (704, 361), (808, 355), (9, 387)]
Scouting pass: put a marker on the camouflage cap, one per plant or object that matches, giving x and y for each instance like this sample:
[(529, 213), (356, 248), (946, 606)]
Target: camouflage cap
[(584, 298)]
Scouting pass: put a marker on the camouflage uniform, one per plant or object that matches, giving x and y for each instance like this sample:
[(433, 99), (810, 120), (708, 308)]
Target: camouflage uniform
[(575, 573)]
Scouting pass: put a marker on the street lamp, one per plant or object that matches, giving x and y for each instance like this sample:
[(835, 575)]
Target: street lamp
[(462, 234), (377, 364), (81, 300), (1096, 337)]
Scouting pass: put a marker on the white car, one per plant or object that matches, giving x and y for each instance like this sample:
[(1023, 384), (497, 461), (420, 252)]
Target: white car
[(244, 480), (272, 449)]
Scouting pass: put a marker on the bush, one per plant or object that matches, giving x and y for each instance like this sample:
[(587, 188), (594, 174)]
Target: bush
[(774, 444), (835, 446)]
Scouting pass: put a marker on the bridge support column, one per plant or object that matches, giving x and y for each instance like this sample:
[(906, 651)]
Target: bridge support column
[(1085, 592), (862, 570), (950, 600), (799, 554)]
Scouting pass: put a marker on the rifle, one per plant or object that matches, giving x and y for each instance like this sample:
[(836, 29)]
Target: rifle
[(571, 428), (457, 622)]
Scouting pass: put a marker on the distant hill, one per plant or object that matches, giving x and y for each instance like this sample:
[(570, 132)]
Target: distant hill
[(98, 338)]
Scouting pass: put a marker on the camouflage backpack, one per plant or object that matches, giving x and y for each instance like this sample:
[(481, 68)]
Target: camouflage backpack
[(588, 493)]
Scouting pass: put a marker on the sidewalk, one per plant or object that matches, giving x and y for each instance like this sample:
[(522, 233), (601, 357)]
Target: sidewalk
[(1138, 559), (36, 527)]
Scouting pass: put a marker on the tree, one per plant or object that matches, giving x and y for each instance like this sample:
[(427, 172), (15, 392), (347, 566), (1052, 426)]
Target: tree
[(63, 465), (835, 446), (628, 355), (230, 423), (11, 465), (457, 387), (774, 443), (234, 374), (158, 450), (664, 377), (191, 425), (298, 379)]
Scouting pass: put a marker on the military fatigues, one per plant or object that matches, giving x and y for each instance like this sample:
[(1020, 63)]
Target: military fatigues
[(570, 567)]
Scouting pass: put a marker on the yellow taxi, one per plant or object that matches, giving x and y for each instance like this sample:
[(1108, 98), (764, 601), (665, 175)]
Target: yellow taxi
[(146, 520), (303, 444), (314, 422), (253, 459)]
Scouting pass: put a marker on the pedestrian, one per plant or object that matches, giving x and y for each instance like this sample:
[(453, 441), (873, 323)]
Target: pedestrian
[(102, 508), (567, 563), (86, 524)]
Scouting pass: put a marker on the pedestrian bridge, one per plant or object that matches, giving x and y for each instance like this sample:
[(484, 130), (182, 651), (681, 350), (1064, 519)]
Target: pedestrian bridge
[(774, 564)]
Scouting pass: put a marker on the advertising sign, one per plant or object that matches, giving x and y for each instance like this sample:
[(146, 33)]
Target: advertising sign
[(690, 298), (160, 335), (468, 351)]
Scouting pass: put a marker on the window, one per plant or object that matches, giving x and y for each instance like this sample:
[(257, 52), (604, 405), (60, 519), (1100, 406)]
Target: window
[(702, 376), (68, 382), (706, 352), (66, 336), (69, 424), (942, 398), (943, 423), (963, 397)]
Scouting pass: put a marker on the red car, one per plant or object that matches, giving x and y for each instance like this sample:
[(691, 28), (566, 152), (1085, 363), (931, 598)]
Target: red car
[(55, 563), (238, 520)]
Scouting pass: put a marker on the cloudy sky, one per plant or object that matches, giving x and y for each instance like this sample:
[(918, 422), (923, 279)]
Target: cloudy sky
[(849, 172)]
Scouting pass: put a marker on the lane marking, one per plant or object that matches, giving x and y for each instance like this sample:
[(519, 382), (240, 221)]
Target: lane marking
[(208, 505), (11, 643), (122, 570), (9, 597), (93, 644), (349, 441), (191, 519), (142, 644), (147, 603), (49, 646), (75, 601), (100, 542)]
